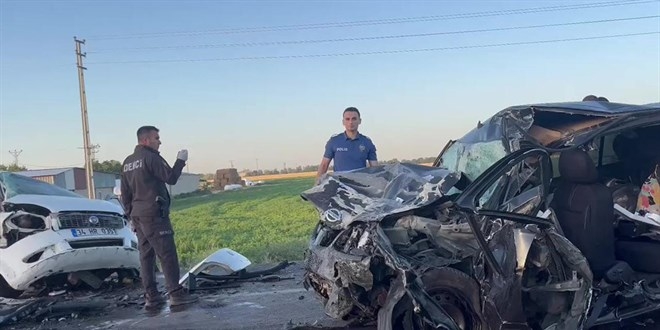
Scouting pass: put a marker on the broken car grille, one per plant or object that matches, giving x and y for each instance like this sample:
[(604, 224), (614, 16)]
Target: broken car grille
[(90, 220), (82, 244)]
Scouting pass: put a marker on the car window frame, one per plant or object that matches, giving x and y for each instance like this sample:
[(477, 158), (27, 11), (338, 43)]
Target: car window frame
[(469, 198)]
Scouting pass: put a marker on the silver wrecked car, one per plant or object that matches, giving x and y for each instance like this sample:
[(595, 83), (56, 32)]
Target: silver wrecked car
[(528, 221)]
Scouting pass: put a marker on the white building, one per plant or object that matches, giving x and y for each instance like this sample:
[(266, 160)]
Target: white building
[(74, 179), (188, 182)]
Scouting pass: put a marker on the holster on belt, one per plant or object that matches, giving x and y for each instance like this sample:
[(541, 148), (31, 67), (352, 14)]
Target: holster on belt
[(162, 206)]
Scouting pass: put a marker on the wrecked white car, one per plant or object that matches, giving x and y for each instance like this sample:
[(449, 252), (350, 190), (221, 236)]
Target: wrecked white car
[(528, 221), (48, 234)]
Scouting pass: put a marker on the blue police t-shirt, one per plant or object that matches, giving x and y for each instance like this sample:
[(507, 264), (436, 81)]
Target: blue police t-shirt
[(350, 154)]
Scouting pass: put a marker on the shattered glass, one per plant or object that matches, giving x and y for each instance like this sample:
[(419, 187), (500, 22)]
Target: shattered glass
[(15, 184)]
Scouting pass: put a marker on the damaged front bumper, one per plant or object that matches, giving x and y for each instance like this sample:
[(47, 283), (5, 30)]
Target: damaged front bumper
[(331, 273), (368, 280), (50, 252)]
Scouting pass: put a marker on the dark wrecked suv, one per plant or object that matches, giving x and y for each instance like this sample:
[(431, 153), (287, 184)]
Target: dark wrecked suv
[(528, 221)]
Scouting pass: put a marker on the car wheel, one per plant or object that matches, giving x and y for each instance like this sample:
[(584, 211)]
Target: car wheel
[(7, 291), (453, 290)]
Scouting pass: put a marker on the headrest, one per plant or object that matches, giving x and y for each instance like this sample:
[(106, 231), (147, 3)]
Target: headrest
[(576, 166)]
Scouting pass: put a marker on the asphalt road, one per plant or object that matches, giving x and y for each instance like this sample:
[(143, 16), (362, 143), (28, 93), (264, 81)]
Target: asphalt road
[(283, 304)]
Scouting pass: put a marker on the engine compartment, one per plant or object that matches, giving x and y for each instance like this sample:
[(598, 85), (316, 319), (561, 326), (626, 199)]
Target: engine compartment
[(20, 221)]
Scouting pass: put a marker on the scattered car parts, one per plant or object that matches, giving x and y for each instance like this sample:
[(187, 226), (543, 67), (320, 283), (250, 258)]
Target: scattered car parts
[(224, 268)]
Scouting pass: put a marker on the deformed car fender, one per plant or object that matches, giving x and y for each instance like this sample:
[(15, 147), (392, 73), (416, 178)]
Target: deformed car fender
[(407, 282)]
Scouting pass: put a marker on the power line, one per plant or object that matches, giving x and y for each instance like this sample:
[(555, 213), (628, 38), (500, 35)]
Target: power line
[(380, 52), (430, 34), (373, 22), (94, 150)]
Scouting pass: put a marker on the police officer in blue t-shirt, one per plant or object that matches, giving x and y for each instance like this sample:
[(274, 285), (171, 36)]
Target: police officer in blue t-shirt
[(350, 149)]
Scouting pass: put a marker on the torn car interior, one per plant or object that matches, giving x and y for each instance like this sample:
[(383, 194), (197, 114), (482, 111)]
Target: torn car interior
[(528, 221)]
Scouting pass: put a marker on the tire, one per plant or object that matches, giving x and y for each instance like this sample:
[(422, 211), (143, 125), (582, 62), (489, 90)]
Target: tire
[(7, 291), (453, 289)]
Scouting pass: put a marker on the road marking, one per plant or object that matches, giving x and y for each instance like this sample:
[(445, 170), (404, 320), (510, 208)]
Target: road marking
[(249, 304)]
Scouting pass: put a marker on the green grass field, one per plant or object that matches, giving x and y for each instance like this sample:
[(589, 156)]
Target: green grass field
[(264, 223)]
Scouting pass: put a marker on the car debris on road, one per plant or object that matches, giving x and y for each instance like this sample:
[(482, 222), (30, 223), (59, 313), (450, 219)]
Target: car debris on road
[(223, 269), (69, 304)]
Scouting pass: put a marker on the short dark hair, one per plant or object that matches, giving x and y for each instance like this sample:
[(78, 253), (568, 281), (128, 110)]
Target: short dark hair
[(144, 130), (351, 109), (590, 98), (603, 99)]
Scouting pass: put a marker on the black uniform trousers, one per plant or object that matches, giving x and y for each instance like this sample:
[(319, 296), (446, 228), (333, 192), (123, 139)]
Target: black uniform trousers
[(156, 239)]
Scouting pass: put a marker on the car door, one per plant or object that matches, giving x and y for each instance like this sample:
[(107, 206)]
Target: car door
[(498, 204)]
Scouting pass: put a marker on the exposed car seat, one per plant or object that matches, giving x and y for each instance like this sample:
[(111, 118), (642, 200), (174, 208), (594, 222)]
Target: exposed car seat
[(585, 210), (623, 185), (625, 149), (639, 153), (641, 252)]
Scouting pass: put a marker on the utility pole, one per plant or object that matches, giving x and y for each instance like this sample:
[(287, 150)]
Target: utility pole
[(231, 164), (15, 153), (257, 159), (89, 171)]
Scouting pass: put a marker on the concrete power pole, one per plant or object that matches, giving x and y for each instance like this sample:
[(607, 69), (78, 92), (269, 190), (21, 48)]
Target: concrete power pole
[(89, 170)]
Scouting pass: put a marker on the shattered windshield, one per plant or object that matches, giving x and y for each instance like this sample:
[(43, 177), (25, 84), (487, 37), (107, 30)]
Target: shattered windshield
[(472, 158), (13, 185), (478, 150)]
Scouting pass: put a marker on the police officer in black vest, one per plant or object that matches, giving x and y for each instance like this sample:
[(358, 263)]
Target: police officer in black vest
[(146, 200)]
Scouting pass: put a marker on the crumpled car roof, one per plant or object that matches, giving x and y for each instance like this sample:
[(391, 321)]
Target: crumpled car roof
[(590, 108)]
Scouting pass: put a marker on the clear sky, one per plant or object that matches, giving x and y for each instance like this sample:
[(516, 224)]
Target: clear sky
[(283, 110)]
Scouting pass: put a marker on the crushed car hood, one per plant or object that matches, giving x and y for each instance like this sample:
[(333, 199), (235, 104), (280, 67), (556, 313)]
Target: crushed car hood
[(61, 203), (373, 193)]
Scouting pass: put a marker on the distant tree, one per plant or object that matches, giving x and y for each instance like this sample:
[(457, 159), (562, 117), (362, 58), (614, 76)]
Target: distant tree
[(12, 168), (108, 166), (311, 168)]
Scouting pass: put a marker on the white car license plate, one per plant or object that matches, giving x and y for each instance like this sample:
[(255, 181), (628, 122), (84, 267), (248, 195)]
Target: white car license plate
[(79, 232)]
